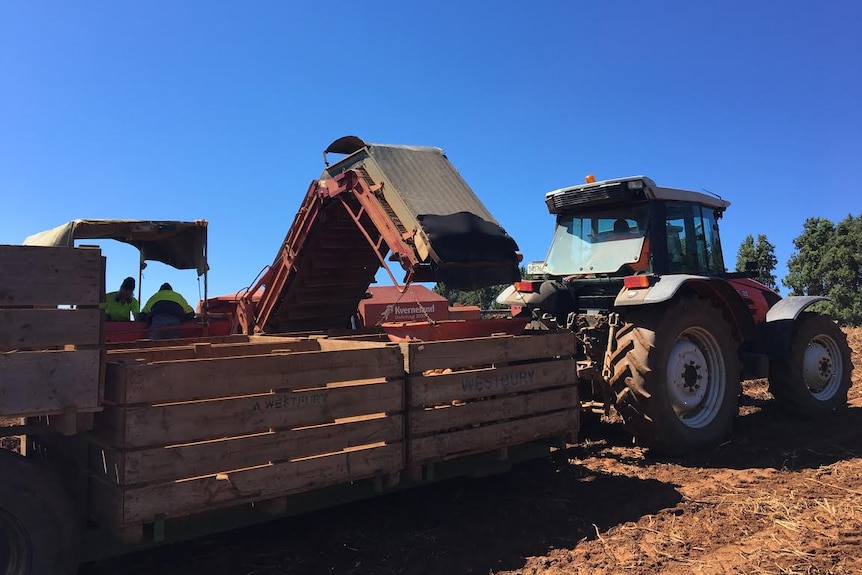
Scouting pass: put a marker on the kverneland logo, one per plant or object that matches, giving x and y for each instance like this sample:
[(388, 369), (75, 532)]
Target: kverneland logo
[(399, 310)]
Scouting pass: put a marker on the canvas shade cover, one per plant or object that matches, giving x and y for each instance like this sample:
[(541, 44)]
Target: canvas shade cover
[(181, 245)]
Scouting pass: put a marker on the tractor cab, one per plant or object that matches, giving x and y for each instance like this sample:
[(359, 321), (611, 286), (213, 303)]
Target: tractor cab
[(628, 226), (611, 230)]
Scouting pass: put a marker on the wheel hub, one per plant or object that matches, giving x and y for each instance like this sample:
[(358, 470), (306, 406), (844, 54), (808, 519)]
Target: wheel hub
[(822, 367), (816, 366), (691, 377), (687, 368), (695, 377)]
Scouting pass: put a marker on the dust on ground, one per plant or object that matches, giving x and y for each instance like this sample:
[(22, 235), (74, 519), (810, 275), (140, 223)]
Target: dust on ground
[(783, 496)]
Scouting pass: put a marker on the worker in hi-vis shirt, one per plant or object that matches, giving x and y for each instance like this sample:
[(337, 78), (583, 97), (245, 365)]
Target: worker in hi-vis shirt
[(165, 309), (121, 305)]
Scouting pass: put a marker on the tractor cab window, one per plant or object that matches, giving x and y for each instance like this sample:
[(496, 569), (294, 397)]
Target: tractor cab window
[(693, 244), (599, 242)]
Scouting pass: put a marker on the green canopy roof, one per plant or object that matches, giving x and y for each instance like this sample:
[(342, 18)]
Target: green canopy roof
[(181, 245)]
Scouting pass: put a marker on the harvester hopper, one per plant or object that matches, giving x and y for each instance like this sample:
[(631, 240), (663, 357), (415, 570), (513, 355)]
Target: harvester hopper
[(379, 203)]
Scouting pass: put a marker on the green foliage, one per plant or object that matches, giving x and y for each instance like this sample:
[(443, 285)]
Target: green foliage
[(762, 254), (827, 261), (745, 253), (484, 297)]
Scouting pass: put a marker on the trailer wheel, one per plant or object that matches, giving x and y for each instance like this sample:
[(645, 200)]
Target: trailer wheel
[(814, 379), (675, 375), (39, 531)]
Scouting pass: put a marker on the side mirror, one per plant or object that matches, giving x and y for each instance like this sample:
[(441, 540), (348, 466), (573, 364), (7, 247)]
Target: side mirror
[(751, 266)]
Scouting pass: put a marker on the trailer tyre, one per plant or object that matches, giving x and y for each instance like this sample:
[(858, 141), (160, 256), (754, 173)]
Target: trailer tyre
[(675, 375), (39, 531), (814, 379)]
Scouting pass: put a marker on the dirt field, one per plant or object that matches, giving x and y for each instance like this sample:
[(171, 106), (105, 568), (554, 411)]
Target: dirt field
[(781, 497)]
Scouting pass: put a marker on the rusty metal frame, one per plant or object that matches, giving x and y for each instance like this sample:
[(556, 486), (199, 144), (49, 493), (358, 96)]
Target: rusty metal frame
[(357, 219), (344, 187), (367, 197)]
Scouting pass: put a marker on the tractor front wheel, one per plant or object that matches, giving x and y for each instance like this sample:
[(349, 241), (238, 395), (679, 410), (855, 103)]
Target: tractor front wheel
[(675, 375), (814, 379)]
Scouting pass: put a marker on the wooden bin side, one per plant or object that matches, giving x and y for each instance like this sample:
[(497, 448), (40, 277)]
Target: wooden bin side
[(477, 395), (41, 276), (50, 358), (190, 436), (119, 508), (197, 349)]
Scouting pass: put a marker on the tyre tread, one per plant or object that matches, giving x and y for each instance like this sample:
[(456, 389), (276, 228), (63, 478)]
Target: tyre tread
[(633, 386)]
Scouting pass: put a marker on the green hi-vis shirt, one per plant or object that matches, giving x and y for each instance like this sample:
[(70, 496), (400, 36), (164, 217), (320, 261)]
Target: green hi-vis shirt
[(118, 311), (167, 295)]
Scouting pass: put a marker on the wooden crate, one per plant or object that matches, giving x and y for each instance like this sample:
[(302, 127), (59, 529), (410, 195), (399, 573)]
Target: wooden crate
[(188, 435), (476, 395), (206, 347), (50, 356)]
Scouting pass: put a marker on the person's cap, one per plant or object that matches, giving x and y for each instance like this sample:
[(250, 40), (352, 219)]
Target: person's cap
[(165, 286), (129, 284)]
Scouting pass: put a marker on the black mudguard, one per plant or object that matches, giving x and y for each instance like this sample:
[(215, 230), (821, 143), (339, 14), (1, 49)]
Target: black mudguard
[(775, 334)]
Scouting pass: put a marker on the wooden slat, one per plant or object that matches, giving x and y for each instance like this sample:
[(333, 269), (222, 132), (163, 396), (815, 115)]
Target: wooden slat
[(184, 498), (489, 437), (342, 344), (425, 421), (49, 382), (186, 422), (41, 276), (212, 378), (166, 464), (213, 351), (40, 328), (163, 343), (483, 351), (368, 334), (436, 389)]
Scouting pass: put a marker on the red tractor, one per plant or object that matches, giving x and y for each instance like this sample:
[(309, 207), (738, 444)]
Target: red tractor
[(665, 334)]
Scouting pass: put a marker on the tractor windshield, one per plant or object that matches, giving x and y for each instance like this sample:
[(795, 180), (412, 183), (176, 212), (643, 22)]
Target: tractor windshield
[(599, 242)]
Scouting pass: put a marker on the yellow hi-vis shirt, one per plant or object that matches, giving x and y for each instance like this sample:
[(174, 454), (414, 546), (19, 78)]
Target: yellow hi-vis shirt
[(118, 311), (167, 295)]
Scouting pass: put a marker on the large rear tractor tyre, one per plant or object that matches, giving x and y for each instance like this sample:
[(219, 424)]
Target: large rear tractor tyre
[(675, 375), (39, 531), (814, 378)]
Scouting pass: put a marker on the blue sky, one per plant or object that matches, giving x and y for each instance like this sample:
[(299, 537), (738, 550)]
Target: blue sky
[(220, 111)]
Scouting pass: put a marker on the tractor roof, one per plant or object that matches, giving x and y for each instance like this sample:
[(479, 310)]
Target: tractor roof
[(622, 189)]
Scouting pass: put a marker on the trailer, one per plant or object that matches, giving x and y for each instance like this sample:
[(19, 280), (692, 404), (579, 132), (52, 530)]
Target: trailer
[(130, 444)]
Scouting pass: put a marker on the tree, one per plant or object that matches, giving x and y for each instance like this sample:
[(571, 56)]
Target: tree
[(762, 255), (485, 298), (827, 261)]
